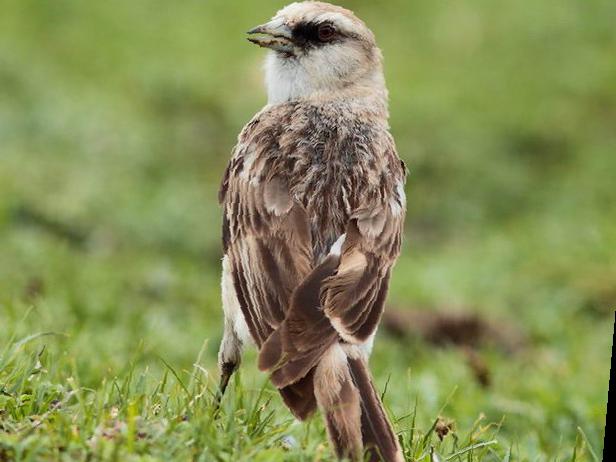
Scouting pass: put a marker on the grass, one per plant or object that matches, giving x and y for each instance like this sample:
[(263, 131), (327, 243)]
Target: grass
[(130, 419), (116, 121)]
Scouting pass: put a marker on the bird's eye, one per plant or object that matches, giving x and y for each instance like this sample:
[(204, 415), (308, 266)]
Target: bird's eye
[(326, 32)]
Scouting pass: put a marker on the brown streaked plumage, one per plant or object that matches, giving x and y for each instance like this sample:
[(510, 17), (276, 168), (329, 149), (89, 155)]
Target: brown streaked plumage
[(314, 206)]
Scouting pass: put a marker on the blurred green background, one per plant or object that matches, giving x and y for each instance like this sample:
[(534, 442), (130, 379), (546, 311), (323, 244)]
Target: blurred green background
[(117, 119)]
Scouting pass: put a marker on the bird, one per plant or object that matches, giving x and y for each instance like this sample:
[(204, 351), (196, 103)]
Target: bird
[(313, 207)]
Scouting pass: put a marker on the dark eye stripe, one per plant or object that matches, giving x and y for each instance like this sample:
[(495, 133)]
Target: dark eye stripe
[(307, 34)]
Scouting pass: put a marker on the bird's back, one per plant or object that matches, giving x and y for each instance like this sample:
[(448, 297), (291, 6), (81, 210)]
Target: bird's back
[(335, 158)]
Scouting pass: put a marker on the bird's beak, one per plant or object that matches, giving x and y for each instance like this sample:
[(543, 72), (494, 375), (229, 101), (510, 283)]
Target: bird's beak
[(274, 35)]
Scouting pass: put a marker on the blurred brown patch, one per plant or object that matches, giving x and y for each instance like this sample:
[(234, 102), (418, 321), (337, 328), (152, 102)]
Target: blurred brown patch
[(599, 292), (25, 215), (478, 367), (34, 288), (461, 329)]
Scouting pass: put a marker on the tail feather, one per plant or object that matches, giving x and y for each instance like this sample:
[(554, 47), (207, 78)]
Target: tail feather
[(339, 401), (354, 414), (342, 423), (377, 433)]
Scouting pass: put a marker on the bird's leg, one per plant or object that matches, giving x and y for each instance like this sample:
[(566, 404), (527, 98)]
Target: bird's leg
[(226, 371), (230, 353), (229, 358)]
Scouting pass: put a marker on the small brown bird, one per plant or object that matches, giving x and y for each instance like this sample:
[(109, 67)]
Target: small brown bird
[(314, 207)]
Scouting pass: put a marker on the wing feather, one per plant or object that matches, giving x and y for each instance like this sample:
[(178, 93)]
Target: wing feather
[(342, 298), (354, 297)]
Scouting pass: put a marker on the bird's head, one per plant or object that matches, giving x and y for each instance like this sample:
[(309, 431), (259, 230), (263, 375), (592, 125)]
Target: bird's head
[(318, 50)]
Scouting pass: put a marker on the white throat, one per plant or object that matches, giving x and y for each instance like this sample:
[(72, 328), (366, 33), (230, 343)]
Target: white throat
[(286, 80), (321, 74)]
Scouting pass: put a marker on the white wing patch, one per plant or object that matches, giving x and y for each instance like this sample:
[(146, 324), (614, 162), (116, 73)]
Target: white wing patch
[(398, 204), (336, 248)]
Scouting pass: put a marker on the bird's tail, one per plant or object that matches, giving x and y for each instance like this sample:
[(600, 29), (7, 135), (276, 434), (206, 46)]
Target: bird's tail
[(353, 411), (377, 433)]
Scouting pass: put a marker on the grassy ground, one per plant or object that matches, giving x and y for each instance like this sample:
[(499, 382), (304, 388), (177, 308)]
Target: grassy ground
[(116, 120)]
